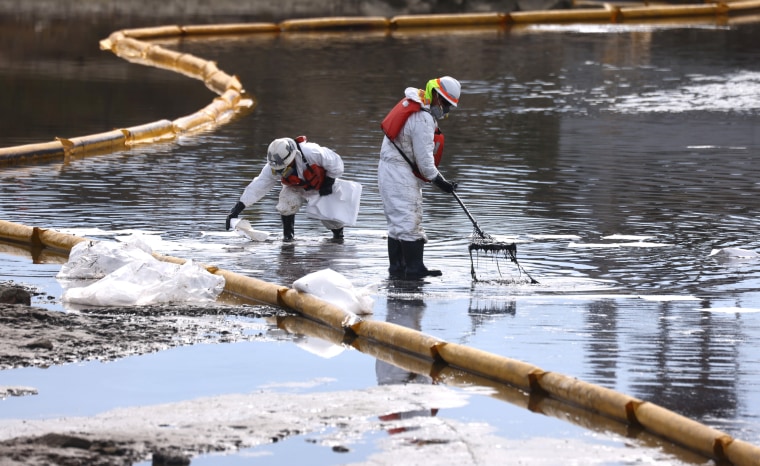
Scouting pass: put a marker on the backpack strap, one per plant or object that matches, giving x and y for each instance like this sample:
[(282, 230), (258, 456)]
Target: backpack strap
[(314, 174), (437, 156)]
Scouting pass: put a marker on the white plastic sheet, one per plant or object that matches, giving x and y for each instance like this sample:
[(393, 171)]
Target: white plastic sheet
[(734, 253), (322, 348), (336, 289), (126, 275), (244, 228), (340, 206), (91, 260)]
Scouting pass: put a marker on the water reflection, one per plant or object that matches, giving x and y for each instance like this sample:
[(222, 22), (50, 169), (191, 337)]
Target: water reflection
[(694, 350), (407, 313), (488, 311), (603, 346)]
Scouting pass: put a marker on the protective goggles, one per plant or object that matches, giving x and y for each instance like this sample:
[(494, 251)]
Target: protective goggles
[(285, 172), (446, 105)]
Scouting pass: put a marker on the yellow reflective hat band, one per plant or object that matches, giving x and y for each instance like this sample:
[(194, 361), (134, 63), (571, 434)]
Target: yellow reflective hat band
[(432, 84)]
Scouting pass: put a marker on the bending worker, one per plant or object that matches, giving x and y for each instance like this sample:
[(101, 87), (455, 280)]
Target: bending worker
[(409, 157), (304, 169)]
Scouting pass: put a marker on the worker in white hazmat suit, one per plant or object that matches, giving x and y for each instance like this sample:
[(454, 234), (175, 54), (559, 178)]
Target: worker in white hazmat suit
[(304, 169), (409, 157)]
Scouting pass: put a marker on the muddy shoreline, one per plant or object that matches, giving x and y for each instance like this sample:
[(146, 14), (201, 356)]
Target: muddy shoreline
[(36, 337)]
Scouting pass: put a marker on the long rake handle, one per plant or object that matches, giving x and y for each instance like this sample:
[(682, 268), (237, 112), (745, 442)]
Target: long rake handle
[(469, 215)]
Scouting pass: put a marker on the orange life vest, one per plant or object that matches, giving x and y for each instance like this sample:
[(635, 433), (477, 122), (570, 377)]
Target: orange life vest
[(314, 175), (395, 119), (393, 123)]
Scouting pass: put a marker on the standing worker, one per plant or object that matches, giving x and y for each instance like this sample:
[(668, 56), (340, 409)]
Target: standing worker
[(304, 169), (409, 158)]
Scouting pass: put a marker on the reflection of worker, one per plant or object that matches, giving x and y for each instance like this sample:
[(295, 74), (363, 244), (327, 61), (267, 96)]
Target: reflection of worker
[(304, 169), (407, 313), (409, 157)]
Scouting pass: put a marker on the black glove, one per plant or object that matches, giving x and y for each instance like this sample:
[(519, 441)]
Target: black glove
[(443, 185), (327, 186), (234, 213)]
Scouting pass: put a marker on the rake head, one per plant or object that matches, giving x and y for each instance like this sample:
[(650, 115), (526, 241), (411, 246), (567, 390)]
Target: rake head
[(494, 247), (486, 244)]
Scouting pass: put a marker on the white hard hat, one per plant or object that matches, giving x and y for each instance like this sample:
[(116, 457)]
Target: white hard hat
[(449, 88), (281, 153)]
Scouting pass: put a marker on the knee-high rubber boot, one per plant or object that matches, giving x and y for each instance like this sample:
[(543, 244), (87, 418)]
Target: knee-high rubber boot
[(288, 227), (337, 235), (415, 268), (397, 267)]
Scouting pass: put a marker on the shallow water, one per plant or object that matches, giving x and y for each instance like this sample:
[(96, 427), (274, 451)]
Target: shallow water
[(617, 157)]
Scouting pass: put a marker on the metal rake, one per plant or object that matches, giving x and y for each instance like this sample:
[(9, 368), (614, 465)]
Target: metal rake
[(485, 242)]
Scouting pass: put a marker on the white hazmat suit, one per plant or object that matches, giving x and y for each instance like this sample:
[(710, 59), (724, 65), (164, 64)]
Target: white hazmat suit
[(293, 196), (400, 190), (412, 125)]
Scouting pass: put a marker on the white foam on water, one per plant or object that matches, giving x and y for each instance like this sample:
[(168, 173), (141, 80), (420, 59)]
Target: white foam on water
[(617, 28), (730, 310), (709, 147), (645, 244), (598, 296), (664, 298), (636, 244), (737, 92), (566, 285), (101, 232), (570, 237), (627, 237), (573, 244)]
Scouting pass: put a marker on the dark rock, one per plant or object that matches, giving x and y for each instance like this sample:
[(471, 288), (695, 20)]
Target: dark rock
[(168, 458), (40, 344), (65, 441), (15, 295)]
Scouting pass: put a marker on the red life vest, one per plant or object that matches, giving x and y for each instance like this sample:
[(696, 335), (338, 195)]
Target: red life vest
[(314, 175), (394, 121)]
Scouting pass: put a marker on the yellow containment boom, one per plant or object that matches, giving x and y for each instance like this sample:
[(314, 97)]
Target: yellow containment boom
[(453, 20), (563, 16), (335, 23)]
